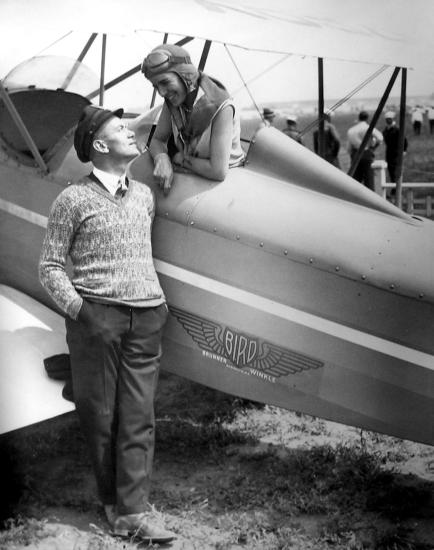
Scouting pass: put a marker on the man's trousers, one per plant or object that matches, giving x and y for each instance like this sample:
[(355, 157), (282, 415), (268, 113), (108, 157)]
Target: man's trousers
[(364, 173), (115, 362)]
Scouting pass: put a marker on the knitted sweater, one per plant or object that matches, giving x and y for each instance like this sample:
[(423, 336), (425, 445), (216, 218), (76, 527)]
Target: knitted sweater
[(109, 242)]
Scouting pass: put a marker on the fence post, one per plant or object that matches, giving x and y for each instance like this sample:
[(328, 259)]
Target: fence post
[(410, 201), (379, 168), (428, 206)]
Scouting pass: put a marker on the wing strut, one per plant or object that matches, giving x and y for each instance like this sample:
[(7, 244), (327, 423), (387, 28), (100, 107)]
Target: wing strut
[(321, 144), (204, 55), (115, 81), (401, 138), (374, 120), (102, 73), (80, 58), (22, 128), (130, 72)]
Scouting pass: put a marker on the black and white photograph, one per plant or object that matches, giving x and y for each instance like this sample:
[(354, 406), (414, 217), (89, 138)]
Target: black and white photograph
[(216, 275)]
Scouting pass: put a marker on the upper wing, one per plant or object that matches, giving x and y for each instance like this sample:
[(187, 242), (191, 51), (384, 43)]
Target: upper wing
[(387, 32)]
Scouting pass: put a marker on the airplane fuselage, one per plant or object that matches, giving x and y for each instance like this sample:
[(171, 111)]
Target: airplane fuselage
[(288, 283)]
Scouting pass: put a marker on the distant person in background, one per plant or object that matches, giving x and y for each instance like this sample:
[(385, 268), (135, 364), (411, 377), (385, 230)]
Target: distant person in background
[(291, 129), (364, 173), (430, 114), (332, 143), (268, 116), (391, 141), (417, 120)]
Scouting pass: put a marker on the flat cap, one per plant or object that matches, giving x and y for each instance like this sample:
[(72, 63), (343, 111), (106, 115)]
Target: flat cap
[(91, 120)]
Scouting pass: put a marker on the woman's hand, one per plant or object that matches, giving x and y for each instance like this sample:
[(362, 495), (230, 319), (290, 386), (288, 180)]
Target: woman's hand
[(182, 163), (163, 172), (178, 158)]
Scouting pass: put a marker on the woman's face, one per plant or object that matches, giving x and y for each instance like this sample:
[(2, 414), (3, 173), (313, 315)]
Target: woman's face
[(171, 87)]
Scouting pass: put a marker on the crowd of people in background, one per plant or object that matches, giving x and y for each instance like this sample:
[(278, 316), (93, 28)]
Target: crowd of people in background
[(418, 119), (355, 136), (421, 119)]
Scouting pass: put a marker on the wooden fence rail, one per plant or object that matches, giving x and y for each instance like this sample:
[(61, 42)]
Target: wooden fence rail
[(417, 197)]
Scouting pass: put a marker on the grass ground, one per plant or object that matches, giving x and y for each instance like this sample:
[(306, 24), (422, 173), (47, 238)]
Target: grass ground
[(228, 475)]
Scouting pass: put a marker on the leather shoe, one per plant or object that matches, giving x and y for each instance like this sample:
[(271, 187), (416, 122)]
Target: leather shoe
[(142, 527)]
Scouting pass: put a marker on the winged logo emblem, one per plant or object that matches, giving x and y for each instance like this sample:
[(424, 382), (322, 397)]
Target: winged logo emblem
[(241, 349)]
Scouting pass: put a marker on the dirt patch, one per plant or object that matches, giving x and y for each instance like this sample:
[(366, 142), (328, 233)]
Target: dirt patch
[(228, 475)]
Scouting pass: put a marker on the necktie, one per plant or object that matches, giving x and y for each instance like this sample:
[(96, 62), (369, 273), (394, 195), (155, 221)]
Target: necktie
[(120, 191)]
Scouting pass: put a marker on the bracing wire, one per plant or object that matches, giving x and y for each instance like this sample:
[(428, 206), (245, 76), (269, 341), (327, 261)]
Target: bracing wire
[(346, 97), (246, 84), (55, 42), (242, 79), (316, 121)]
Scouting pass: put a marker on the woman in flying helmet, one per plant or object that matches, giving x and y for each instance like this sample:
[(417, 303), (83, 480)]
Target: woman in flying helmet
[(198, 114)]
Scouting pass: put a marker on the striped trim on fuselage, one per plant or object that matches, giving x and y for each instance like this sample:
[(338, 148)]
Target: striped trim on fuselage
[(23, 213), (266, 305), (293, 315)]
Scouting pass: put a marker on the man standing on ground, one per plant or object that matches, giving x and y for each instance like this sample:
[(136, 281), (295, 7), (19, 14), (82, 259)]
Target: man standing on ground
[(268, 116), (332, 142), (115, 312), (291, 129), (364, 173), (391, 141), (430, 114), (417, 120)]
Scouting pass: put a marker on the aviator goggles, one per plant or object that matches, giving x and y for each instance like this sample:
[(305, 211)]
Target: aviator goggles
[(158, 59)]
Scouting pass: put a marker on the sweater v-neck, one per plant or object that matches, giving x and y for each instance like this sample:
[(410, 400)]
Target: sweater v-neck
[(102, 190)]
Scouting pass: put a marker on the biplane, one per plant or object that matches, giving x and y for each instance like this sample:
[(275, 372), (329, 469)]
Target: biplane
[(288, 283)]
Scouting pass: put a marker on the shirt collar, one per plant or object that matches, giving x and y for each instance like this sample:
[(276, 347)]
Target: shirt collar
[(110, 181)]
